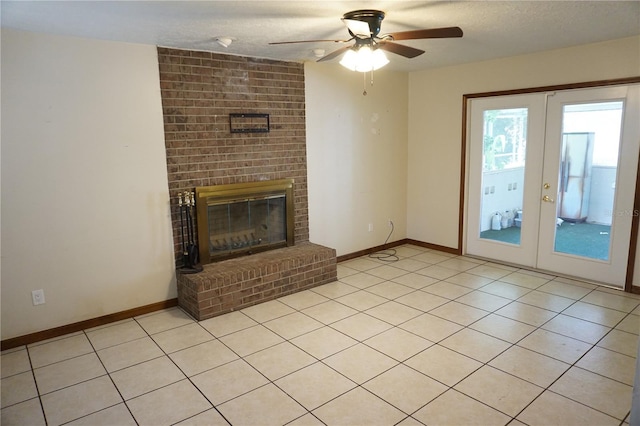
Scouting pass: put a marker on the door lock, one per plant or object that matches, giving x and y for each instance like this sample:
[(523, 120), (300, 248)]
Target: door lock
[(547, 199)]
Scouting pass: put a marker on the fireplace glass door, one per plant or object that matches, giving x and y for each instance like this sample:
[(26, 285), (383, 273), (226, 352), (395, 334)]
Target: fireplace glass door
[(244, 218), (246, 224)]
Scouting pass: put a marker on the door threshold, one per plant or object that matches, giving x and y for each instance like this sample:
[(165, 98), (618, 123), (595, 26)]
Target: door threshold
[(545, 272)]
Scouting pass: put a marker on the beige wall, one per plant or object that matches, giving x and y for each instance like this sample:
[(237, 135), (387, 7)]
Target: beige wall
[(357, 156), (435, 117), (85, 207), (85, 211)]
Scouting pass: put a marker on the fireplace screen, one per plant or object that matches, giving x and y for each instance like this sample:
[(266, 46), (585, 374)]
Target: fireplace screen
[(240, 219), (247, 223)]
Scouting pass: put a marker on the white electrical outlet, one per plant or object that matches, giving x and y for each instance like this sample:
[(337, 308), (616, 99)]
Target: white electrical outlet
[(38, 297), (370, 227)]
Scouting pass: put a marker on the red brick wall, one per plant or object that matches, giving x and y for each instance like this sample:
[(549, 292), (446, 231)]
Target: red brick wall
[(199, 91)]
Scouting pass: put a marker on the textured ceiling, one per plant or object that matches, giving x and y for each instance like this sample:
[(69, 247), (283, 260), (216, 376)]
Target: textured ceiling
[(492, 29)]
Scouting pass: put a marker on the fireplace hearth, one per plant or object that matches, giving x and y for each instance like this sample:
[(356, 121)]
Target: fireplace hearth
[(244, 218), (255, 218)]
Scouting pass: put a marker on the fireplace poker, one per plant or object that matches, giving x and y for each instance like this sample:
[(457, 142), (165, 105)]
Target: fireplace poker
[(187, 202), (188, 259), (184, 243), (190, 250), (193, 250), (192, 236)]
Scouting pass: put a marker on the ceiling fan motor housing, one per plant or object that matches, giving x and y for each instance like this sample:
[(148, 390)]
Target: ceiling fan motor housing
[(372, 17)]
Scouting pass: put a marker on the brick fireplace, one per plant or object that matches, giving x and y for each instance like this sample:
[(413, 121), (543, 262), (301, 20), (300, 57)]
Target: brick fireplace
[(199, 92)]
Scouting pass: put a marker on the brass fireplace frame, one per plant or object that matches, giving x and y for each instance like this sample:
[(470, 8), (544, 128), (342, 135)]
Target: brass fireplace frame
[(247, 191)]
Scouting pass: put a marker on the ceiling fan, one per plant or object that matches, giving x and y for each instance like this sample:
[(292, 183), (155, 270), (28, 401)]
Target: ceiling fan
[(364, 29)]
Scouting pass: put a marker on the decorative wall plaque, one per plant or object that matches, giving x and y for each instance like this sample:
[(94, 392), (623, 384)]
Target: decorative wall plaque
[(249, 123)]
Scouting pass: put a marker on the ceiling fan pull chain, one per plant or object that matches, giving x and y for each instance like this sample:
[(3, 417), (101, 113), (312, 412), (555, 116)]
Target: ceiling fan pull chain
[(364, 84)]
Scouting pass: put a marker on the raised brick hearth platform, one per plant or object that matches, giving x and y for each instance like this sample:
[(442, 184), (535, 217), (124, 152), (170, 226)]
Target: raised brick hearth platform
[(244, 281)]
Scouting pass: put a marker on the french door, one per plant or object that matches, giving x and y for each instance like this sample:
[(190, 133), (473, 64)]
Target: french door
[(551, 180)]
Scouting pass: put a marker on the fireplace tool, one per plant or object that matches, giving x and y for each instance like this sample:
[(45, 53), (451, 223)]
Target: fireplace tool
[(190, 256)]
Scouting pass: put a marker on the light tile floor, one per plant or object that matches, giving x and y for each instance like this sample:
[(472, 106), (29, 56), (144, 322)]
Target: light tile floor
[(429, 339)]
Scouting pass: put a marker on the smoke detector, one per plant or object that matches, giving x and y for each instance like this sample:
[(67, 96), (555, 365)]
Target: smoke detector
[(224, 41)]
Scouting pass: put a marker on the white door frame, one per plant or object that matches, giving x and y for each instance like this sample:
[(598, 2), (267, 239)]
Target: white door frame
[(464, 195)]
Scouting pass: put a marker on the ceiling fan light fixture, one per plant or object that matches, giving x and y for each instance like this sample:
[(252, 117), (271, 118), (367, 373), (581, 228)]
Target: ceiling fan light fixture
[(364, 59)]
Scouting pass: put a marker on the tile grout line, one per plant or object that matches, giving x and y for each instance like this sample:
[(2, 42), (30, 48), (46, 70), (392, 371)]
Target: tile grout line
[(393, 326), (593, 345), (35, 382), (167, 355), (573, 365), (409, 415)]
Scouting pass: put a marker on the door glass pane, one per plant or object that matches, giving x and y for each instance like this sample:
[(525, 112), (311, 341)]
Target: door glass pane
[(587, 178), (505, 142)]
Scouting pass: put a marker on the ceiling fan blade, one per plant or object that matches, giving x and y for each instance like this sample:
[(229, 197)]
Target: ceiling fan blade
[(446, 32), (399, 49), (334, 54), (358, 28), (309, 41)]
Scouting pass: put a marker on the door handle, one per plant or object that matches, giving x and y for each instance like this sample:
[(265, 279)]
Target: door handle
[(547, 199)]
